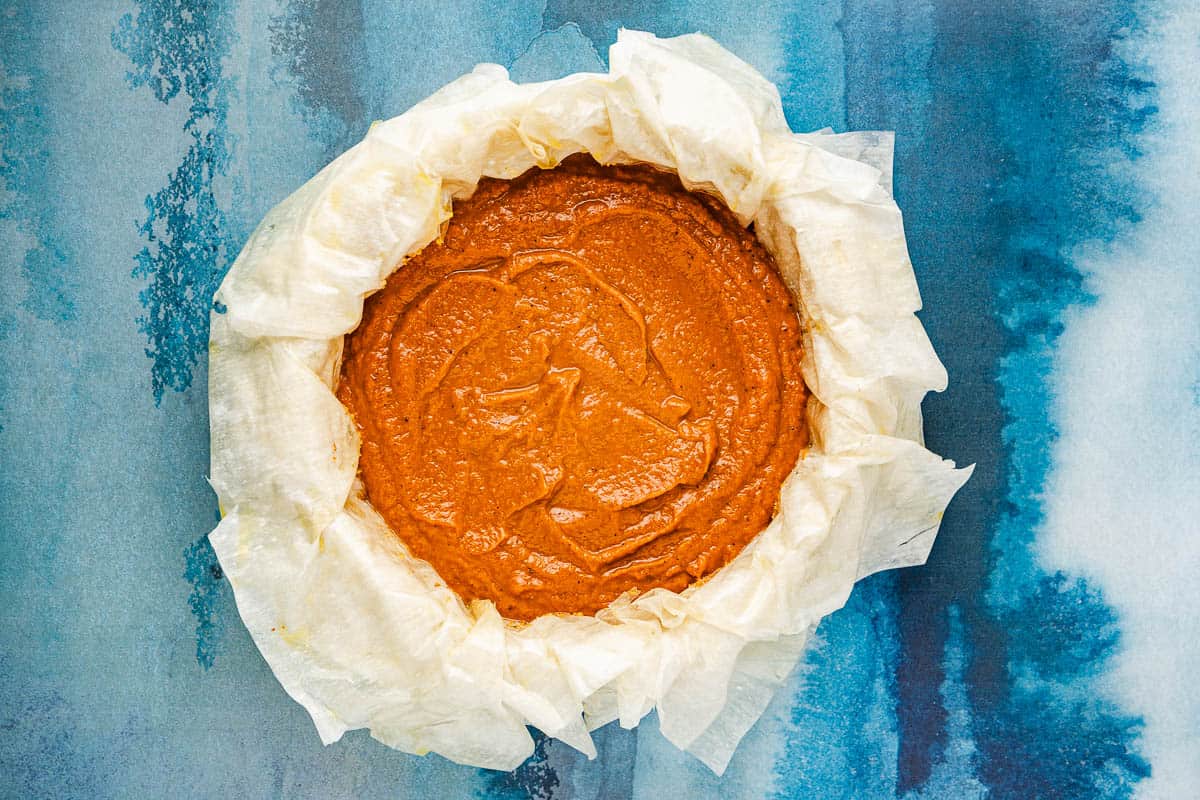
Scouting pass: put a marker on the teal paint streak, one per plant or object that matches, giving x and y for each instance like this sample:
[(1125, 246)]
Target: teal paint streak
[(203, 572), (26, 181), (42, 757), (1078, 119), (178, 49), (535, 779), (413, 49), (956, 775), (841, 744), (319, 44), (1013, 124)]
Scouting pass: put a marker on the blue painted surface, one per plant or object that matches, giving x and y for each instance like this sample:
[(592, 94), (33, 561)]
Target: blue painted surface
[(143, 140)]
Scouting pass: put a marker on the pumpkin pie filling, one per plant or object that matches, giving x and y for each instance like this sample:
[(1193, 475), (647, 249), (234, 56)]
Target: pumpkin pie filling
[(590, 385)]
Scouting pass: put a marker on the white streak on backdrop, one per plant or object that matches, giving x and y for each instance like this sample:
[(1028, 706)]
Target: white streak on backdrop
[(1123, 497)]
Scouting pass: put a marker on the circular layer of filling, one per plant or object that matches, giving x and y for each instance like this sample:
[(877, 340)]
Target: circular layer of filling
[(590, 385)]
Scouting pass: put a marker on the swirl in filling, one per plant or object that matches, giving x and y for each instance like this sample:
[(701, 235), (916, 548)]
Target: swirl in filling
[(590, 385)]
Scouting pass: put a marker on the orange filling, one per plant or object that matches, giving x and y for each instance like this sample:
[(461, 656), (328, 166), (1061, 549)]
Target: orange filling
[(591, 385)]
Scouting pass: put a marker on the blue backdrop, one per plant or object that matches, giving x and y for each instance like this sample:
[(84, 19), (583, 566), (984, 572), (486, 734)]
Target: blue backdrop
[(1048, 177)]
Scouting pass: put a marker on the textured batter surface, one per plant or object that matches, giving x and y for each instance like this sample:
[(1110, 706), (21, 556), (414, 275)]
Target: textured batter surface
[(591, 385)]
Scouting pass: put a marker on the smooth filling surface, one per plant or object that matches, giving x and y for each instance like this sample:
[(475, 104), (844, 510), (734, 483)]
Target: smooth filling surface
[(590, 385)]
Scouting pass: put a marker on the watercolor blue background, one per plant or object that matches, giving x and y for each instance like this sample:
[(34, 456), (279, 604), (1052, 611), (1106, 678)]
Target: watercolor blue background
[(1044, 164)]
